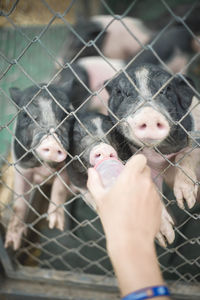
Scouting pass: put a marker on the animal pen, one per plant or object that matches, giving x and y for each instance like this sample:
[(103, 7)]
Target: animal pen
[(74, 264)]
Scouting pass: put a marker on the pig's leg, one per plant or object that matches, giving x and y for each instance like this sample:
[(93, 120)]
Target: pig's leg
[(87, 197), (185, 187), (16, 227), (59, 193), (166, 227)]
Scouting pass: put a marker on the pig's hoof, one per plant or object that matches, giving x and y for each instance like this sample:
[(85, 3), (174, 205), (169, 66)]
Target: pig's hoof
[(166, 232), (57, 219), (14, 235), (185, 189), (161, 239)]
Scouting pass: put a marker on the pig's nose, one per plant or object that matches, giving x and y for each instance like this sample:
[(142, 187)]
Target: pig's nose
[(50, 150), (152, 129), (150, 125), (100, 152), (52, 154), (153, 125)]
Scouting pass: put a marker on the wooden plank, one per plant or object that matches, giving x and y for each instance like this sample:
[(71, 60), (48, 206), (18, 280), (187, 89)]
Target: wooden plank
[(5, 259), (27, 290)]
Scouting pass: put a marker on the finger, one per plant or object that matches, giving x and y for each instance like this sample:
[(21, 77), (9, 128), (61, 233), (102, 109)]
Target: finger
[(94, 184), (136, 163)]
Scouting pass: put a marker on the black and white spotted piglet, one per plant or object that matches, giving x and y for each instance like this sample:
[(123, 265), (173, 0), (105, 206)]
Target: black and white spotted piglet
[(130, 38), (40, 145), (91, 72), (154, 113), (113, 37), (93, 140)]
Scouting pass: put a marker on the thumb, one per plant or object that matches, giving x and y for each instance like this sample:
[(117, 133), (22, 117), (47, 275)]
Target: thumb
[(136, 163)]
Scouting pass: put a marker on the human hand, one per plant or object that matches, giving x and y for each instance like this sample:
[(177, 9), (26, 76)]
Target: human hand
[(131, 207), (130, 212)]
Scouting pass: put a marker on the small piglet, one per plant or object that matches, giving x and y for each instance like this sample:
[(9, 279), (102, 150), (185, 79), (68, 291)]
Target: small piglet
[(40, 145), (93, 140), (152, 111), (91, 73), (78, 77), (129, 38), (172, 48), (115, 38)]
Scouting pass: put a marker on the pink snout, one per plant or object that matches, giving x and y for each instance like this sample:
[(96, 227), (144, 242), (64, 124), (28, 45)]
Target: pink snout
[(149, 125), (100, 152), (50, 150)]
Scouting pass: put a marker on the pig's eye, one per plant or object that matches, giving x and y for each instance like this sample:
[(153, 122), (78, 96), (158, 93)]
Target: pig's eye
[(165, 90), (24, 115), (127, 94), (118, 91), (169, 88), (35, 118), (24, 118), (162, 92)]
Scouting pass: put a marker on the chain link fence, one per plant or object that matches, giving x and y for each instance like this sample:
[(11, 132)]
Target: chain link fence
[(41, 44)]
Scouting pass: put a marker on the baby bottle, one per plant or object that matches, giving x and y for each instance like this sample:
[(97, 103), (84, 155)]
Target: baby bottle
[(108, 170)]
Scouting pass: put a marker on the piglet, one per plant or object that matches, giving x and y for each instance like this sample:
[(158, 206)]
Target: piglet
[(77, 76), (91, 73), (151, 109), (40, 145), (94, 139), (130, 39), (114, 37), (171, 49)]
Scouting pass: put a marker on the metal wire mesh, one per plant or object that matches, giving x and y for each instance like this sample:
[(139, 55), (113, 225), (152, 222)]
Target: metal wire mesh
[(30, 60)]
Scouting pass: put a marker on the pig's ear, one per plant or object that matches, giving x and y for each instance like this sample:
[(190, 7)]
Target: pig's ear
[(69, 85), (15, 94), (184, 92), (108, 86)]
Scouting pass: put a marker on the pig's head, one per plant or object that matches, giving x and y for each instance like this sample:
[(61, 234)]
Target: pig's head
[(92, 139), (43, 125), (91, 142), (78, 88), (88, 30), (152, 108)]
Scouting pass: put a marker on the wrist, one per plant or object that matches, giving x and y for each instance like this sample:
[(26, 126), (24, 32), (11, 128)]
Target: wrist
[(150, 292), (130, 241), (135, 263)]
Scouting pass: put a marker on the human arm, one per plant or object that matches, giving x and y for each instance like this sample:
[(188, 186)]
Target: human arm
[(130, 212)]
